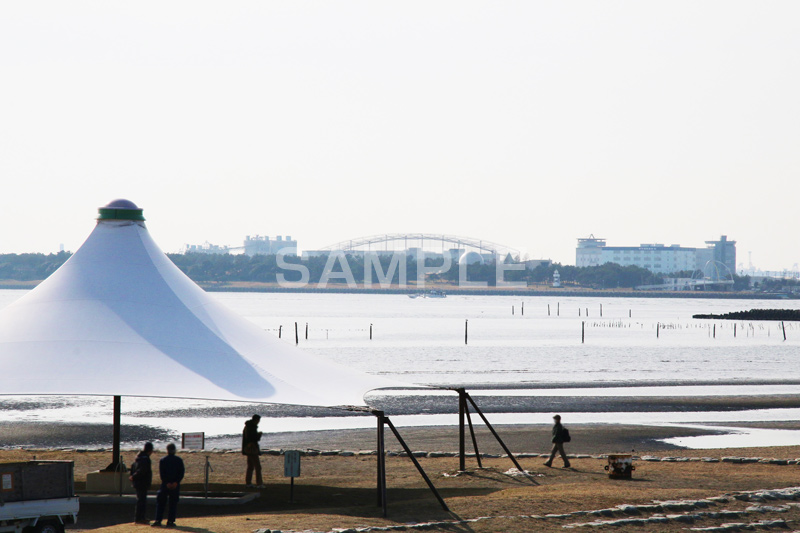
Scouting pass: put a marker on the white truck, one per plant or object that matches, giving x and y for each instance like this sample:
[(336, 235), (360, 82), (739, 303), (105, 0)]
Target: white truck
[(37, 496)]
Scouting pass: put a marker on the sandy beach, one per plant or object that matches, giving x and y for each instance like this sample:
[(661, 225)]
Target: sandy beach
[(337, 491)]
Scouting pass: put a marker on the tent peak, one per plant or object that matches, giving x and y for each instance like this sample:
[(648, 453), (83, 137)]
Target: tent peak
[(120, 209)]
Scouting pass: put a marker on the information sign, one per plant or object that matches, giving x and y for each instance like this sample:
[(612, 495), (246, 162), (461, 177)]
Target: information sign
[(193, 441), (291, 463)]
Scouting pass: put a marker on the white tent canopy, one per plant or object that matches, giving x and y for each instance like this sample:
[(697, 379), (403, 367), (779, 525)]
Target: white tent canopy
[(120, 319)]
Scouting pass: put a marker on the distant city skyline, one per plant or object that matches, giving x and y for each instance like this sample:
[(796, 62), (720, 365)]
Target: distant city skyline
[(527, 123), (249, 241)]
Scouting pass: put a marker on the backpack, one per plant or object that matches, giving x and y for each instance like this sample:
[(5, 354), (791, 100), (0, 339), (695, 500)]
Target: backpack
[(134, 470), (565, 435)]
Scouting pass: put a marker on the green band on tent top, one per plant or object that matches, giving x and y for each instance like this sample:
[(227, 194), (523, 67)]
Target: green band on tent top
[(110, 213)]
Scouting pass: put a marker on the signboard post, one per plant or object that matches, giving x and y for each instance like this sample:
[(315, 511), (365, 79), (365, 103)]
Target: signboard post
[(291, 468), (197, 441)]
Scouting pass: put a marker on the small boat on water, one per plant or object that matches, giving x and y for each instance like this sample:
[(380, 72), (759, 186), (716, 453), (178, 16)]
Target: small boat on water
[(428, 294)]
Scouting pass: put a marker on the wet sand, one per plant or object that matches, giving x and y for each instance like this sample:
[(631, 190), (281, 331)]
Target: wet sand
[(587, 438)]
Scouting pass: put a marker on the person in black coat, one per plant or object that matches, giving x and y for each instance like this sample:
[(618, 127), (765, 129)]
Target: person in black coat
[(558, 443), (250, 437), (171, 470), (141, 478)]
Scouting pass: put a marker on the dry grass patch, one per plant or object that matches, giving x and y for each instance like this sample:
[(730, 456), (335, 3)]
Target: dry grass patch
[(339, 492)]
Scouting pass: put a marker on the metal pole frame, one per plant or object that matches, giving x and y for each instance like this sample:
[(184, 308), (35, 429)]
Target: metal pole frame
[(463, 411), (399, 438), (496, 436), (474, 440)]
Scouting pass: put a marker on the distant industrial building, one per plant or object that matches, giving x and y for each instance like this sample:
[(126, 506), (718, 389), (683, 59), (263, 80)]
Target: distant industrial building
[(255, 245), (263, 245), (657, 258), (206, 248)]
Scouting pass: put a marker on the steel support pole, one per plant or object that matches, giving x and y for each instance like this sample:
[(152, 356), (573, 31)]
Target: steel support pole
[(416, 463), (503, 444), (381, 462), (462, 407), (116, 437), (472, 434)]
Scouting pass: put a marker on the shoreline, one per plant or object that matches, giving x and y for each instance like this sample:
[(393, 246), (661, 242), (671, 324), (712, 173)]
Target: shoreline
[(455, 290)]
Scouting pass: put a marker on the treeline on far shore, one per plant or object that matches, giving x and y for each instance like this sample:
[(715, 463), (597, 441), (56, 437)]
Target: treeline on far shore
[(30, 267), (334, 270)]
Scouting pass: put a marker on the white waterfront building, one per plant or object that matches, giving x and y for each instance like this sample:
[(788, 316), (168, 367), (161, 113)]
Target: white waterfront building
[(657, 258)]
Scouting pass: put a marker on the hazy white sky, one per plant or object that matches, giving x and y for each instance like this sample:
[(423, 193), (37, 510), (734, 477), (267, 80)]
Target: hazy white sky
[(526, 123)]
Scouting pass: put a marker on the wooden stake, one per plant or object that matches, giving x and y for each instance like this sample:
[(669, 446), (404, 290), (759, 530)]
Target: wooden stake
[(583, 331), (306, 330), (783, 326), (548, 309), (280, 330), (296, 334), (466, 330), (370, 332)]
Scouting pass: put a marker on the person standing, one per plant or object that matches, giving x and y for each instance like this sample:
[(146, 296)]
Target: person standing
[(171, 470), (250, 437), (559, 438), (141, 478)]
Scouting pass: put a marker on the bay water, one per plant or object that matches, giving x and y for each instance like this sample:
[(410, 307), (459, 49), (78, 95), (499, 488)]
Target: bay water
[(511, 346)]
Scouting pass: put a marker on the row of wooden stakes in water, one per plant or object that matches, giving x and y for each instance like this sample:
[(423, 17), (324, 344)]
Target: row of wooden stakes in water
[(712, 328)]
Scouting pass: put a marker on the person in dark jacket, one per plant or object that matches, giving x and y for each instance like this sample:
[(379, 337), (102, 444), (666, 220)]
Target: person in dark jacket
[(171, 469), (558, 443), (250, 437), (141, 479)]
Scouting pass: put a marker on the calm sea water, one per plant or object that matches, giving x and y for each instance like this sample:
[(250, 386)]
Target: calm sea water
[(422, 340), (522, 346)]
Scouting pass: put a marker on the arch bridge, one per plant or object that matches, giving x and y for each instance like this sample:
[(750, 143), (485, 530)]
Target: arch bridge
[(426, 241)]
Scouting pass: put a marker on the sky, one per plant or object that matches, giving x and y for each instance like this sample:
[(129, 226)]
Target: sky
[(527, 123)]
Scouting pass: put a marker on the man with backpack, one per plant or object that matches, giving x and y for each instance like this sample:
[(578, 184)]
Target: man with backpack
[(560, 436), (141, 478)]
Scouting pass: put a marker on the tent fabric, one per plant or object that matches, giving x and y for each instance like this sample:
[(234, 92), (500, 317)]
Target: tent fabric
[(120, 319)]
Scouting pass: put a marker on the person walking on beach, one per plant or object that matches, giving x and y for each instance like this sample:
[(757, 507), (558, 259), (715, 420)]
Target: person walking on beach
[(560, 436), (250, 437), (141, 478), (171, 469)]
